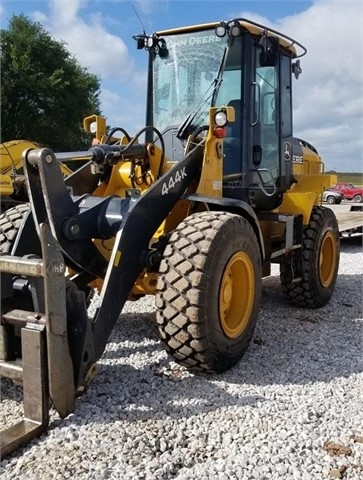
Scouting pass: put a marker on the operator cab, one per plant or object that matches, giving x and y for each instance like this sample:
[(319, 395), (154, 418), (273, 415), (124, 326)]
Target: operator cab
[(239, 64)]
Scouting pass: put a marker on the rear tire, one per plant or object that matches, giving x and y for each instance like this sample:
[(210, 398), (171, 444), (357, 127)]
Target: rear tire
[(358, 198), (209, 291), (331, 200), (320, 262), (10, 223)]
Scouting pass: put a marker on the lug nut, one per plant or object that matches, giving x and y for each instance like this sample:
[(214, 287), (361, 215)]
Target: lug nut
[(75, 230)]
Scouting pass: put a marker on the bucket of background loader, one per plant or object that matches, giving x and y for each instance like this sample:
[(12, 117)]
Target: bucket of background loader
[(45, 368)]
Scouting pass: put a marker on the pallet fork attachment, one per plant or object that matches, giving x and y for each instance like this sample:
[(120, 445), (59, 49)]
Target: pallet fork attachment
[(46, 370)]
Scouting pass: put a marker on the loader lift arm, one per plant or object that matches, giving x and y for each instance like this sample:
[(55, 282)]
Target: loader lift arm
[(66, 331)]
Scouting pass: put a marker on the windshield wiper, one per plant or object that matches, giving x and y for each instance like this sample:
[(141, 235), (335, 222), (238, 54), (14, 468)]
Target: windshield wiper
[(185, 126)]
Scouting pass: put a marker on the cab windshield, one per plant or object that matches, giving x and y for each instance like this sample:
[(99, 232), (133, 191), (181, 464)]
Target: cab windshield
[(184, 79)]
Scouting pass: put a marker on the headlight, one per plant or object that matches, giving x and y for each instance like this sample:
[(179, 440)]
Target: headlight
[(220, 118), (235, 30), (221, 30)]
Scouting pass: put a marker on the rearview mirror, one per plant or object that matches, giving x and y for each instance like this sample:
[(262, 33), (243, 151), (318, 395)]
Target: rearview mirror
[(269, 54)]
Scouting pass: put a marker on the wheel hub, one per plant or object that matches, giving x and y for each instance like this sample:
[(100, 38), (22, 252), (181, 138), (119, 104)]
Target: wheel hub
[(227, 291), (327, 259), (236, 296)]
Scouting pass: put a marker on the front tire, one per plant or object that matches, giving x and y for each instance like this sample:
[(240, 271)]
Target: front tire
[(10, 223), (319, 264), (330, 200), (209, 291)]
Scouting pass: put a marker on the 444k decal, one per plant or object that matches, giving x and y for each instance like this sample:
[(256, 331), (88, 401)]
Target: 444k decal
[(173, 180)]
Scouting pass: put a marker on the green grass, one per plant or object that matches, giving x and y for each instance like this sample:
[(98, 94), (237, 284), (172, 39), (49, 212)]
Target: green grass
[(355, 178)]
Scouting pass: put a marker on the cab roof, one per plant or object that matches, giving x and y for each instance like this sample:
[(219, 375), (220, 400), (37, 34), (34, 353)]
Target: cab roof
[(254, 28)]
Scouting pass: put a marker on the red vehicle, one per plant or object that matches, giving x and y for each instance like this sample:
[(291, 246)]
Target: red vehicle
[(349, 191)]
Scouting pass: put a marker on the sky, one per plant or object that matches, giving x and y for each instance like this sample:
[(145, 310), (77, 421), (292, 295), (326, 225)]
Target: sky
[(327, 97)]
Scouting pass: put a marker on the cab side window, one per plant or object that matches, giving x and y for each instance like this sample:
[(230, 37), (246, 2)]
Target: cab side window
[(267, 82)]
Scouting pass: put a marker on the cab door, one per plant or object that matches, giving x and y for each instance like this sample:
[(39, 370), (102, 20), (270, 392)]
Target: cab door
[(271, 158)]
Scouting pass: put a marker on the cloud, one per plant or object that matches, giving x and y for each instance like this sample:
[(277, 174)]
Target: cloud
[(122, 110), (88, 40), (328, 98), (146, 6)]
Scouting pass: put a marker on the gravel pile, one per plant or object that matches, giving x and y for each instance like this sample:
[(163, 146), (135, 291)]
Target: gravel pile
[(291, 409)]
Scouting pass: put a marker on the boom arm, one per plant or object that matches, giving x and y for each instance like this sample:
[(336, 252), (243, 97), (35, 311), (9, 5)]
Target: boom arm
[(53, 204)]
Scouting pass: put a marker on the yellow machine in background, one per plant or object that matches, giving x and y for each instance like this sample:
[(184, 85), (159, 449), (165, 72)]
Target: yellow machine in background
[(12, 180)]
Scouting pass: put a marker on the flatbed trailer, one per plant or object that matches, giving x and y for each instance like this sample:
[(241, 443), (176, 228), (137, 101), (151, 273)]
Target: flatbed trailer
[(350, 219)]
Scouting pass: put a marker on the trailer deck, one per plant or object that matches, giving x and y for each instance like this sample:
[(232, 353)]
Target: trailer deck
[(350, 218)]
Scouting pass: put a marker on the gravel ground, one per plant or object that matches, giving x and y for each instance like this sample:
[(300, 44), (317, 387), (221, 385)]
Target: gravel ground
[(291, 409)]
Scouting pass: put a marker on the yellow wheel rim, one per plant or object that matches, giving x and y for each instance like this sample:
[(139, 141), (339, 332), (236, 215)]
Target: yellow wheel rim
[(327, 259), (236, 295)]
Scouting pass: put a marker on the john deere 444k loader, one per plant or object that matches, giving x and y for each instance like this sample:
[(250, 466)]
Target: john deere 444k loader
[(193, 209)]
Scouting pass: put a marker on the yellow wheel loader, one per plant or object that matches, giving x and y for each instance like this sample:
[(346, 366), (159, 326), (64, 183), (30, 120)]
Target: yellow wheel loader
[(12, 181), (194, 208)]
